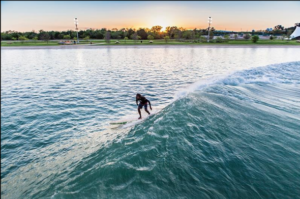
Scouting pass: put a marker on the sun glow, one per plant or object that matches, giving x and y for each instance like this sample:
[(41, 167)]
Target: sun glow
[(161, 21)]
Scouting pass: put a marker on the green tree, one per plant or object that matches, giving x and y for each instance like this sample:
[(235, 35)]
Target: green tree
[(178, 34), (156, 29), (247, 36), (35, 39), (187, 34), (142, 33), (219, 40), (203, 39), (99, 34), (115, 35), (134, 36), (125, 38), (15, 34), (226, 37), (45, 36), (67, 37), (129, 33), (279, 27), (166, 39), (150, 37), (255, 38), (5, 36), (289, 32), (22, 39), (171, 30), (198, 35), (86, 38)]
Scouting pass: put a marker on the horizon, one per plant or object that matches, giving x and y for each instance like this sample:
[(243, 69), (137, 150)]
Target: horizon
[(230, 16)]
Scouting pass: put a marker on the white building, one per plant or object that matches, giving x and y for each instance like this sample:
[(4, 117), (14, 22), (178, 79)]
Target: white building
[(296, 33)]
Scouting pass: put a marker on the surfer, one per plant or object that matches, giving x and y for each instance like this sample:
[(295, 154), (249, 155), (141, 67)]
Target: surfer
[(143, 102)]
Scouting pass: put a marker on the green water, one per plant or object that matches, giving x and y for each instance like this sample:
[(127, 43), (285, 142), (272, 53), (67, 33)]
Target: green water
[(228, 127)]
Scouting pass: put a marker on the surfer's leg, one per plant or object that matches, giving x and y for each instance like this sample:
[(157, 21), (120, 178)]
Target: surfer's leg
[(147, 109), (139, 110)]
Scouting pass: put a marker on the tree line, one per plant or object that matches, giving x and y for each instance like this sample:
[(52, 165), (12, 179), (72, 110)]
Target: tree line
[(171, 32)]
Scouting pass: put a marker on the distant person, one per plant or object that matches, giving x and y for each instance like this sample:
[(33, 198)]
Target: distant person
[(143, 103), (141, 41), (74, 42)]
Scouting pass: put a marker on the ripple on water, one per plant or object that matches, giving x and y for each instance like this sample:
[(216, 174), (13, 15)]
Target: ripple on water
[(234, 139)]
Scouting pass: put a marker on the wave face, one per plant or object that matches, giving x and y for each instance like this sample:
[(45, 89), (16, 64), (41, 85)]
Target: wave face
[(238, 138), (235, 136)]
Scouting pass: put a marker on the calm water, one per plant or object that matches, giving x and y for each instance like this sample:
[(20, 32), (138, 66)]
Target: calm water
[(228, 128)]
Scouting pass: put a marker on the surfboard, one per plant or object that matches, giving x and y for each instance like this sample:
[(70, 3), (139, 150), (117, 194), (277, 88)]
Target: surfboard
[(132, 120), (116, 122), (125, 121)]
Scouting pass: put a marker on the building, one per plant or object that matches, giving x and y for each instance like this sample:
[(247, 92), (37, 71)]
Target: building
[(296, 33)]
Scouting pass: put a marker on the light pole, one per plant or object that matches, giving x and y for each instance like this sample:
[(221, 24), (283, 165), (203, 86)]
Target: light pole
[(76, 23), (209, 22)]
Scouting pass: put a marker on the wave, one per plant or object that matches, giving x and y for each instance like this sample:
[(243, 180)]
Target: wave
[(287, 73), (233, 136)]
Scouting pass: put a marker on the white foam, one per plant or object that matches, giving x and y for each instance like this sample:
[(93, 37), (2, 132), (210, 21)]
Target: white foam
[(288, 73), (201, 84)]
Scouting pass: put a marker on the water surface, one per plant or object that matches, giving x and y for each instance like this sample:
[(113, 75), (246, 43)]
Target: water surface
[(229, 127)]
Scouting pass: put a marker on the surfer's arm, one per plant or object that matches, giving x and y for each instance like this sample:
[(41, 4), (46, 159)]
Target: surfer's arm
[(136, 102)]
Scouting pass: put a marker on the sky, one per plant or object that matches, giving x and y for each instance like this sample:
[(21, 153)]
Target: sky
[(226, 15)]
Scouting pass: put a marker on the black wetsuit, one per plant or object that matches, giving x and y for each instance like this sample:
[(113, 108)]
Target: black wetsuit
[(143, 100)]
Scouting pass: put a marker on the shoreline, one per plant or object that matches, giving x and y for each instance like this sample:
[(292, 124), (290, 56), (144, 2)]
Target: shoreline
[(150, 46)]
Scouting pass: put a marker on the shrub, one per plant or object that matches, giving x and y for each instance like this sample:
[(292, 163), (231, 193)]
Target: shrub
[(86, 38), (22, 39), (125, 38), (219, 40), (202, 39), (35, 38), (226, 38), (150, 37), (67, 37), (271, 37), (255, 38), (247, 36), (166, 39)]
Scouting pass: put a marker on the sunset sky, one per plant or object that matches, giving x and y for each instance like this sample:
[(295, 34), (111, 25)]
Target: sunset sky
[(231, 15)]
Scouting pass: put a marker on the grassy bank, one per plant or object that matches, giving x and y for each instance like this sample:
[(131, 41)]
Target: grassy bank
[(146, 42)]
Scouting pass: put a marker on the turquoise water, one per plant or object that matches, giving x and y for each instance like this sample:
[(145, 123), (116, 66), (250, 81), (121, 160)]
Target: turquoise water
[(229, 125)]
